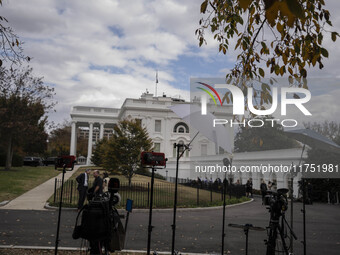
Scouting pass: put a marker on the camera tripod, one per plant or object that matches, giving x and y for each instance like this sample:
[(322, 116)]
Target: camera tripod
[(277, 226)]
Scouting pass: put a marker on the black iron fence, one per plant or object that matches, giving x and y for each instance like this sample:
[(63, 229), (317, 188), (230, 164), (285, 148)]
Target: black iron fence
[(189, 194)]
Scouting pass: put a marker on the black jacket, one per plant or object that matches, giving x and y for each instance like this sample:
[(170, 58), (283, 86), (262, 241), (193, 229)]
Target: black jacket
[(81, 179)]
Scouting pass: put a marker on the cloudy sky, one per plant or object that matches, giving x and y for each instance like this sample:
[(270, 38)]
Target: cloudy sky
[(97, 53)]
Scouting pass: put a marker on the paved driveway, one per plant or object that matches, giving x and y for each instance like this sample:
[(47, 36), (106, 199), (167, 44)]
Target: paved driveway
[(197, 231)]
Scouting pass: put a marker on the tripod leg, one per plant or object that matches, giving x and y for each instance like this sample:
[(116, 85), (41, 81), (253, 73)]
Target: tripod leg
[(246, 231), (283, 240), (271, 243)]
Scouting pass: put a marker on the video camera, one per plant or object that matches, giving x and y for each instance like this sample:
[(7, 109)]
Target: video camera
[(277, 201), (100, 221)]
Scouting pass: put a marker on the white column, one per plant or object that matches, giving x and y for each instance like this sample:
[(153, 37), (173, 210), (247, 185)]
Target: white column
[(101, 131), (168, 147), (73, 139), (89, 148)]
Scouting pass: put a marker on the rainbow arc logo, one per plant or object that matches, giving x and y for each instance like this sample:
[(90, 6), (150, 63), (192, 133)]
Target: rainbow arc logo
[(209, 93)]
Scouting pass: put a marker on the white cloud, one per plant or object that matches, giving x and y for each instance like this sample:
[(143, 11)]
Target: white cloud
[(126, 41)]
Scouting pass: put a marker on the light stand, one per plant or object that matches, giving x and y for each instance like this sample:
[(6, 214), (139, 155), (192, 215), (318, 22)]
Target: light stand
[(303, 206), (186, 147), (173, 226), (304, 216), (224, 206), (60, 204), (291, 207), (150, 227), (226, 163), (152, 159), (246, 228)]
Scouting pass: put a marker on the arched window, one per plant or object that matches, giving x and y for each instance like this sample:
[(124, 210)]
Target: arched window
[(181, 127)]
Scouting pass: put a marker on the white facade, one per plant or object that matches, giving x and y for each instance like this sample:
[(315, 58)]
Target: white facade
[(166, 128)]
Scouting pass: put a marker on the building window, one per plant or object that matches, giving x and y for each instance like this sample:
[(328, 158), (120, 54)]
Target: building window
[(139, 122), (181, 127), (158, 126), (157, 147), (204, 149)]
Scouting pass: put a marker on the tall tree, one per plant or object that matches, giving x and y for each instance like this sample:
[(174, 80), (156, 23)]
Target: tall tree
[(286, 36), (59, 140), (268, 137), (122, 151), (330, 129), (24, 103), (98, 154)]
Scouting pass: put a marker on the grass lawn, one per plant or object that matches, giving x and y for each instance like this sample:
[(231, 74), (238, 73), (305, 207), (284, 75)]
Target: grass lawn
[(139, 192), (18, 180)]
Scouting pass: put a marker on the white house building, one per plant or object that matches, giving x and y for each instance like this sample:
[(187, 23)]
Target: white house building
[(166, 128)]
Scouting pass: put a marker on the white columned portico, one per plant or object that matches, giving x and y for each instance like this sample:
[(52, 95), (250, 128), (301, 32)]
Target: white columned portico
[(101, 131), (73, 139), (89, 148)]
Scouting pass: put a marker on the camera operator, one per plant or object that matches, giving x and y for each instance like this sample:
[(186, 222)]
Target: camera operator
[(97, 184), (263, 188)]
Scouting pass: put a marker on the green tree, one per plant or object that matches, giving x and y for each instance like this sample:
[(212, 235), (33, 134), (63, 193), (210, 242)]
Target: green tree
[(24, 103), (286, 36), (99, 153), (268, 137), (330, 129), (122, 151), (59, 140)]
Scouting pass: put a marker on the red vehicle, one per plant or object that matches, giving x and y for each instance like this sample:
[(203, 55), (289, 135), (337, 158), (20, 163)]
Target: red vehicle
[(68, 160)]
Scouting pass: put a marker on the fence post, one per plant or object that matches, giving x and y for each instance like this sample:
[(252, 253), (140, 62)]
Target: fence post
[(71, 191), (55, 189), (148, 193), (328, 198), (198, 194)]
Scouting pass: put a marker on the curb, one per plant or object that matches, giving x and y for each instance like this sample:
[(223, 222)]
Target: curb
[(47, 206), (83, 249), (3, 203)]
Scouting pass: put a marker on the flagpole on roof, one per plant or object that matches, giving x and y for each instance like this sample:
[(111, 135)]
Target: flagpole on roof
[(156, 82)]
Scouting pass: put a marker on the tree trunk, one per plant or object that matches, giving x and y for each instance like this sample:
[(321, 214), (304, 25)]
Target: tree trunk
[(9, 154)]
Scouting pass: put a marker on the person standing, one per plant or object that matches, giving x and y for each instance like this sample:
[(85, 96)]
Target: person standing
[(106, 180), (83, 184), (263, 188), (97, 184), (270, 184), (248, 188)]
